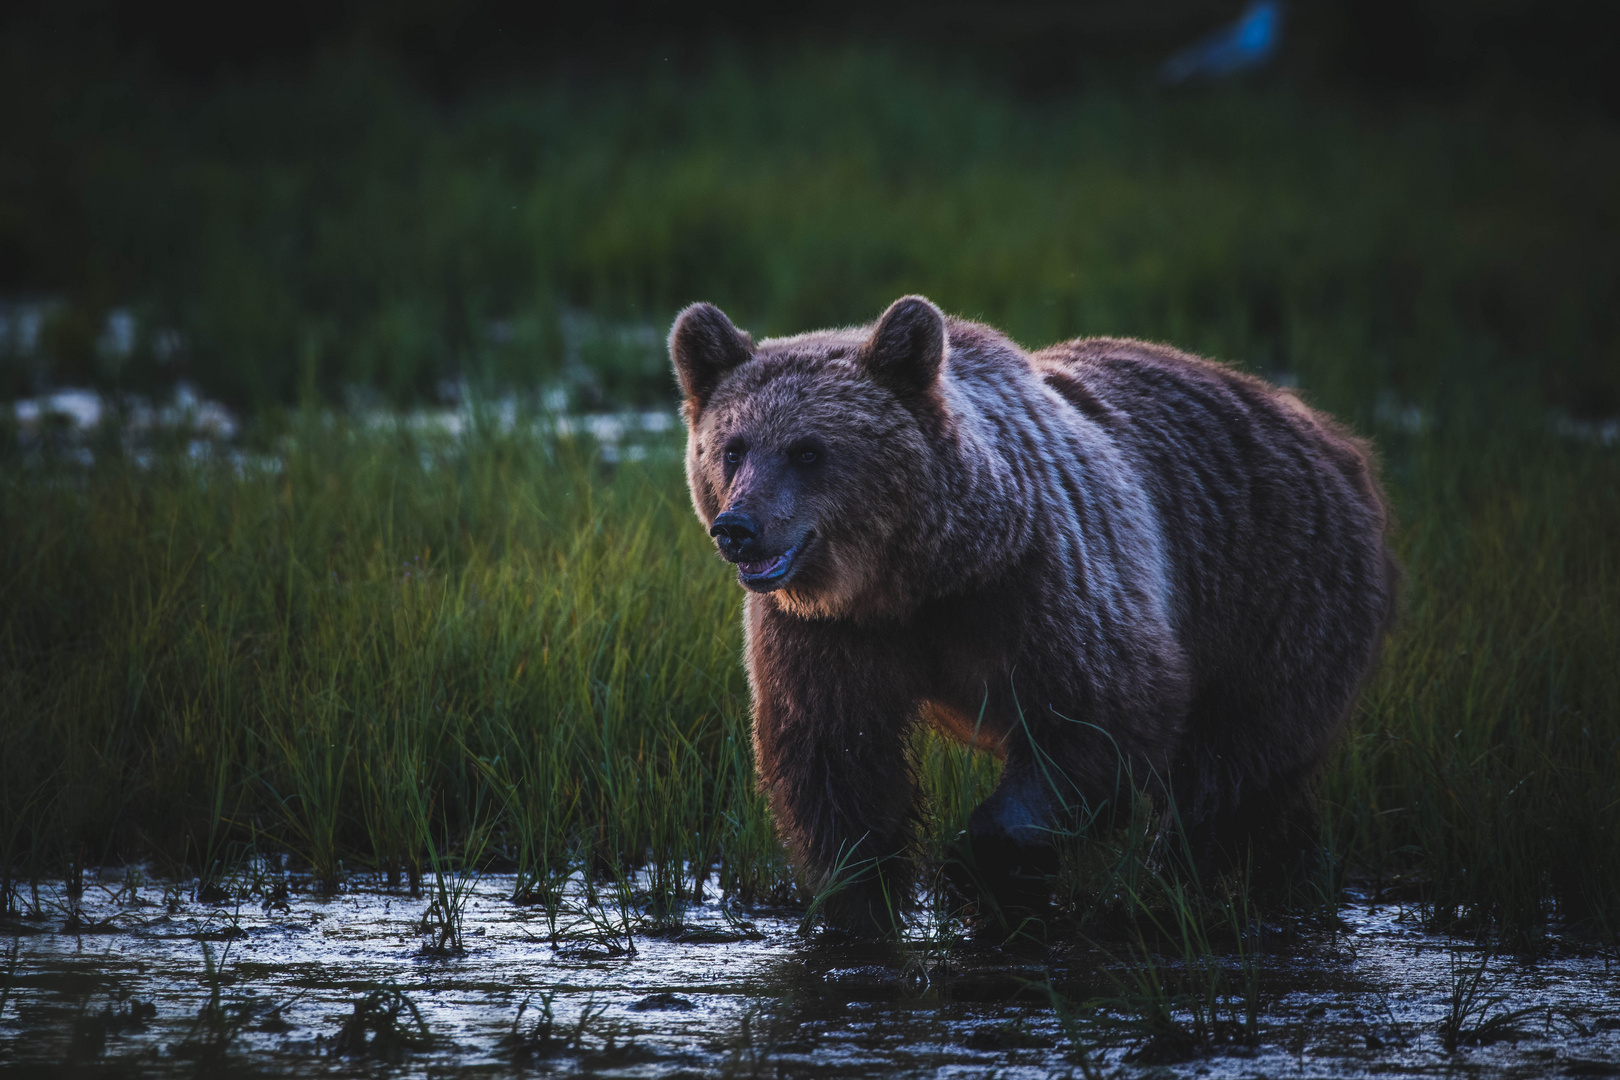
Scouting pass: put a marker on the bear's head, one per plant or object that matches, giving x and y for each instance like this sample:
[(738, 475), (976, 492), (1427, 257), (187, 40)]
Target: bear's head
[(807, 456)]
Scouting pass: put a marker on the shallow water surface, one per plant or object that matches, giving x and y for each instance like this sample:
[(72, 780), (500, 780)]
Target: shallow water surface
[(152, 982)]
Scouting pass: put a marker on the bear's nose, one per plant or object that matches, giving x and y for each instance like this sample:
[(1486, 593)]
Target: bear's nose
[(734, 531)]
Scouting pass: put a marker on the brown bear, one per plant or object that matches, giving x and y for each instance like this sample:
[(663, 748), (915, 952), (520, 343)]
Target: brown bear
[(1106, 561)]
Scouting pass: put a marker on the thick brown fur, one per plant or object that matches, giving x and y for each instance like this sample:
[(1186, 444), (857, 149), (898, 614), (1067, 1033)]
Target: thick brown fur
[(1108, 561)]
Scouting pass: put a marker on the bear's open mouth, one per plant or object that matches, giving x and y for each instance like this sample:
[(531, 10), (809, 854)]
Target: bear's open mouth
[(767, 574)]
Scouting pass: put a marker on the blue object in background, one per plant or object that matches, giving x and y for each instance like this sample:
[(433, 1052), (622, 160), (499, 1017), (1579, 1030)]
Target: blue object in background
[(1247, 43)]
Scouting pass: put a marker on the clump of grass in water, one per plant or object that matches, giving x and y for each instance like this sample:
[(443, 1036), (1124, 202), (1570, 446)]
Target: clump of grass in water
[(218, 1022), (1191, 1005), (1470, 1019), (545, 1036), (450, 890), (10, 973), (1187, 963), (539, 802), (385, 1024), (1168, 1008)]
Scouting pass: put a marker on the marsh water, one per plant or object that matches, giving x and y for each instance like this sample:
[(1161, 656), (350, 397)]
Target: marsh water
[(142, 977)]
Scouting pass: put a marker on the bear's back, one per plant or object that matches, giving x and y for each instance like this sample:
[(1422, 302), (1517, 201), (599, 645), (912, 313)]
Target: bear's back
[(1271, 512)]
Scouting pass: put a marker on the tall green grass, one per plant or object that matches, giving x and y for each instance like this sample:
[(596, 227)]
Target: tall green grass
[(315, 230), (1483, 773), (387, 646), (405, 652)]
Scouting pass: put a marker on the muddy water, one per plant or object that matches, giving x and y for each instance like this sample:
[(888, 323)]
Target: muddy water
[(156, 983)]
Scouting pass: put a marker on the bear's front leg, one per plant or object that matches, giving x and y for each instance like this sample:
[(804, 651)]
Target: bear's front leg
[(1059, 778), (832, 711), (1008, 856)]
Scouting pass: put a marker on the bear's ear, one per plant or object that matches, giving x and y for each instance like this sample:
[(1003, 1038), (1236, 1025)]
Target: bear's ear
[(704, 346), (906, 347)]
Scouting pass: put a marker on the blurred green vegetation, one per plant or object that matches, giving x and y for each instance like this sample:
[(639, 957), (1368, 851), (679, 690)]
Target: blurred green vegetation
[(336, 228), (390, 638)]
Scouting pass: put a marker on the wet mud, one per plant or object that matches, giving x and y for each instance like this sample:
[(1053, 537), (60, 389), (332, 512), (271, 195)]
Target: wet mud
[(150, 980)]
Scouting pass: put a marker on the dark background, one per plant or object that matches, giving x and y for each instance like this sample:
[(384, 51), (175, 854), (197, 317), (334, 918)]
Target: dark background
[(310, 195), (1560, 50)]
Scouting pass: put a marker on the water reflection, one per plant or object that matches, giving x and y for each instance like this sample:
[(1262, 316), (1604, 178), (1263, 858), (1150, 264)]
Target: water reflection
[(152, 981)]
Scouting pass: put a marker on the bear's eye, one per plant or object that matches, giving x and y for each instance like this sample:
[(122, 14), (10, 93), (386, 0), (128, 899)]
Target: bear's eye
[(806, 456), (734, 453)]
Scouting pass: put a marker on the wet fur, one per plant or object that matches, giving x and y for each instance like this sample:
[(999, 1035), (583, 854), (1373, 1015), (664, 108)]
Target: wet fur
[(1108, 561)]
